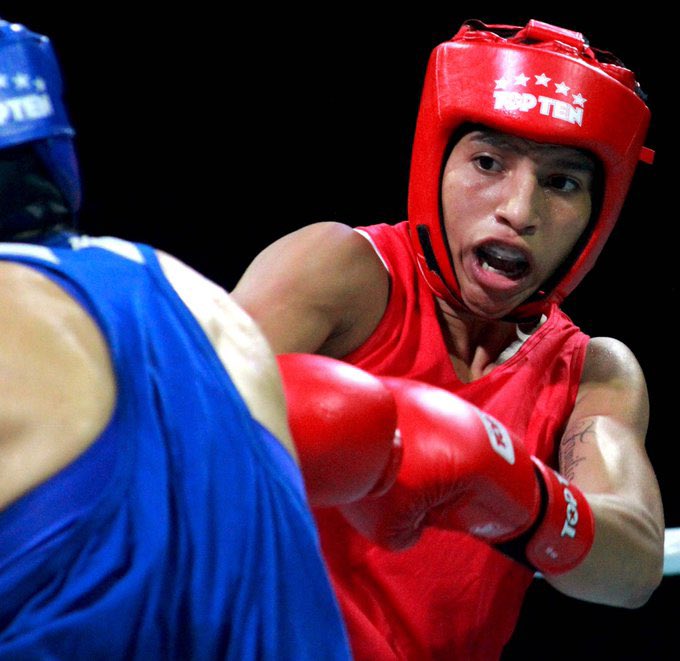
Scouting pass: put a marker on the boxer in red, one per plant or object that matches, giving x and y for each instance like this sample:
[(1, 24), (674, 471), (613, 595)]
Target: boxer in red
[(519, 441)]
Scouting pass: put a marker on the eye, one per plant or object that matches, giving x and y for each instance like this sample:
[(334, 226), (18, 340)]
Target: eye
[(487, 163), (563, 183)]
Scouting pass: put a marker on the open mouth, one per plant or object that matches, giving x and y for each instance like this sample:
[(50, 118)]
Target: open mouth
[(503, 259)]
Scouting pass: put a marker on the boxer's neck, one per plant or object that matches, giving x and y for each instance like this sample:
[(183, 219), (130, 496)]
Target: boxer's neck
[(478, 345)]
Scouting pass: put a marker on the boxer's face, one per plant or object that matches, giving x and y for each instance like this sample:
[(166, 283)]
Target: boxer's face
[(513, 210)]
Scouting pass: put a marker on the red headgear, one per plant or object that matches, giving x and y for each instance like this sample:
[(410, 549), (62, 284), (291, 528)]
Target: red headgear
[(541, 83)]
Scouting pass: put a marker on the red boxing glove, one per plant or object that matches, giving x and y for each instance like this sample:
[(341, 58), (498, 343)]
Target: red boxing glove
[(462, 470), (343, 421), (564, 532)]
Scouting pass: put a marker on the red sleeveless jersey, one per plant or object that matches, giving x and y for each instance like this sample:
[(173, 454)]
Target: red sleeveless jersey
[(450, 596)]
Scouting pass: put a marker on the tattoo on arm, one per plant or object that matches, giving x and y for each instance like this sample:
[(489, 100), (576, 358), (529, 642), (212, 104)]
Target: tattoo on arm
[(571, 447)]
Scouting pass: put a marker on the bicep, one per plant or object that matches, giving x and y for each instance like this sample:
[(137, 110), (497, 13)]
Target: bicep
[(603, 448)]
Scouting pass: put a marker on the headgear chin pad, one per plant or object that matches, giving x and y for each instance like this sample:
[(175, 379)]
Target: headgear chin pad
[(541, 83), (32, 110)]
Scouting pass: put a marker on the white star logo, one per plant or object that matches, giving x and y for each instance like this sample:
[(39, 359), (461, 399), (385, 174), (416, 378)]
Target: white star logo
[(521, 80), (542, 80), (561, 88), (501, 83), (578, 99), (3, 80), (21, 81), (40, 84)]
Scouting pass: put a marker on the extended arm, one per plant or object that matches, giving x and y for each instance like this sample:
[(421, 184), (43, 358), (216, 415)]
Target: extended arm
[(603, 452)]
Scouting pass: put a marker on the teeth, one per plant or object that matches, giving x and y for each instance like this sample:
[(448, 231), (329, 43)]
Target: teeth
[(504, 260), (487, 267)]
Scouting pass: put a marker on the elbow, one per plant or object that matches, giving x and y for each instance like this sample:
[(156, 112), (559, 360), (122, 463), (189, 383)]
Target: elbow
[(638, 597), (631, 555), (644, 580), (630, 587), (649, 568), (642, 575), (612, 576)]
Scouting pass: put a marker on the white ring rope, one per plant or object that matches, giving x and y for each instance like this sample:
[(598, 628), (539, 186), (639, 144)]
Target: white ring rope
[(671, 555)]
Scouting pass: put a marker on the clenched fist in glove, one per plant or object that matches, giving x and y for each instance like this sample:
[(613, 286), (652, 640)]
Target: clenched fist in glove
[(344, 424), (449, 465)]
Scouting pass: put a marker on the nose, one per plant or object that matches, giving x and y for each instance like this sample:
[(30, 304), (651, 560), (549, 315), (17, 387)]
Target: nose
[(520, 202)]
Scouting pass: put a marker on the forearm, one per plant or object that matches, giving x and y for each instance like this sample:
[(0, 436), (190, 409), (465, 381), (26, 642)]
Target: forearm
[(625, 563)]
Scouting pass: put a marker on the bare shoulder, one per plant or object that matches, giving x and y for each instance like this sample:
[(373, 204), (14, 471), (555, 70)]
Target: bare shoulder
[(238, 342), (324, 250), (319, 286), (613, 382), (609, 359), (58, 387)]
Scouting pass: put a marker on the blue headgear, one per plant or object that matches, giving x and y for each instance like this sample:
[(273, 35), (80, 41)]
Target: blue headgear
[(32, 109)]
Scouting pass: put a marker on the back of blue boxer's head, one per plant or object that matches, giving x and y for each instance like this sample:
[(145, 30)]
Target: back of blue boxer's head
[(39, 178)]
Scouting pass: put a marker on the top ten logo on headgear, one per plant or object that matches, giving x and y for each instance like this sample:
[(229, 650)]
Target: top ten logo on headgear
[(568, 109), (23, 99)]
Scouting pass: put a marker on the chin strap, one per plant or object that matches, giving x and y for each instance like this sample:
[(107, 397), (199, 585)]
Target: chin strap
[(29, 200)]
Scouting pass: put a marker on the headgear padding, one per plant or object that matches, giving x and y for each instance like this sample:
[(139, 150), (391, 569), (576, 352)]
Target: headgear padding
[(541, 83), (32, 109)]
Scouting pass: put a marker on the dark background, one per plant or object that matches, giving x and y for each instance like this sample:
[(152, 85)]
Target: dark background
[(212, 135)]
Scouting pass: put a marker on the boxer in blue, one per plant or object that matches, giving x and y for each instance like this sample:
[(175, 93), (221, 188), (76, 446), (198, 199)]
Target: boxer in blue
[(151, 503)]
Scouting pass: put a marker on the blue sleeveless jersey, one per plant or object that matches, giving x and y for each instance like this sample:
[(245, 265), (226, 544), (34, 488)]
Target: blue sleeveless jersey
[(183, 532)]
